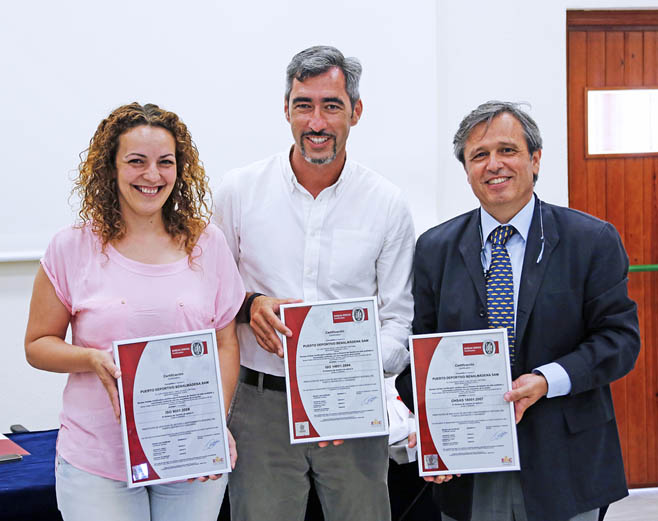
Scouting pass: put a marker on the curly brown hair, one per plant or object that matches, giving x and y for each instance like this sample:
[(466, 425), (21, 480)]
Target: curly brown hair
[(186, 212)]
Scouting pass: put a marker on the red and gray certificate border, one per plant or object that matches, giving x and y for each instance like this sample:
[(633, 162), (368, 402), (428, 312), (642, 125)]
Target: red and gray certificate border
[(296, 411), (422, 349), (125, 383)]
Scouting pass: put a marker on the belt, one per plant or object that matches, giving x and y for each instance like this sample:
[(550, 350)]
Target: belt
[(271, 382)]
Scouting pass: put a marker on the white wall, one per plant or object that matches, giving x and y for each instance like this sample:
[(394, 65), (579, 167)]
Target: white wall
[(220, 65), (513, 50), (27, 396)]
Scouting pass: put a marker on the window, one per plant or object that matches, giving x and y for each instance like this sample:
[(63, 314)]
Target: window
[(622, 121)]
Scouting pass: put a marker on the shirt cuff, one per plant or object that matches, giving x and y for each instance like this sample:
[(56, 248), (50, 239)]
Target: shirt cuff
[(559, 383), (395, 360)]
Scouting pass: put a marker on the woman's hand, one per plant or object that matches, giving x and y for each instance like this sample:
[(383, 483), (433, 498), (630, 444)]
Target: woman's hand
[(233, 451), (103, 365), (45, 347)]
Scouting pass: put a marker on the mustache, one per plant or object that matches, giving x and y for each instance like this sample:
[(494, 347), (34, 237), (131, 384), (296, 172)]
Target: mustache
[(322, 133)]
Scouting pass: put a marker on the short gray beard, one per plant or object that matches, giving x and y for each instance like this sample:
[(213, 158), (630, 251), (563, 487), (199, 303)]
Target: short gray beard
[(319, 161)]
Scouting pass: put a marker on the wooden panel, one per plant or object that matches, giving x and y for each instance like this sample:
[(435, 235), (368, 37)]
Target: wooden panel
[(651, 323), (596, 168), (614, 75), (650, 304), (633, 237), (590, 19), (576, 113), (624, 192), (614, 58), (636, 401), (633, 59), (615, 202), (650, 59)]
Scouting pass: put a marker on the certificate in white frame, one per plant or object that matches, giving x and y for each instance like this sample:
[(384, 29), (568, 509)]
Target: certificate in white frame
[(173, 419), (334, 371), (463, 424)]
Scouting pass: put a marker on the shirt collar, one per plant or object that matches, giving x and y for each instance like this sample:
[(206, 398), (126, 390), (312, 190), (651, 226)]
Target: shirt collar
[(521, 221), (291, 179)]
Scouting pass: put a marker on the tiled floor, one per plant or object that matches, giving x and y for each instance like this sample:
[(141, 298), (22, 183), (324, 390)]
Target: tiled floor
[(641, 505)]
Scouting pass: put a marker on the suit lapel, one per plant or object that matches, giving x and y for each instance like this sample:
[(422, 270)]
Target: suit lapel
[(533, 273), (470, 245)]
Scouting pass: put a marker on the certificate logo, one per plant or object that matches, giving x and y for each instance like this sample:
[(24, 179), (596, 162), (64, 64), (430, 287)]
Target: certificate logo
[(375, 422), (506, 460), (196, 348), (431, 461), (486, 347), (217, 460), (350, 315), (301, 429)]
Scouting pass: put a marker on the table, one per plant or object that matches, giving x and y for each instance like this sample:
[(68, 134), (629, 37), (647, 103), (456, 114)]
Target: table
[(27, 487)]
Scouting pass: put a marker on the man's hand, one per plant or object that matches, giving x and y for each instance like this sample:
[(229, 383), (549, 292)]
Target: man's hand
[(265, 322), (412, 440), (439, 479), (232, 449), (430, 479), (334, 442), (526, 390)]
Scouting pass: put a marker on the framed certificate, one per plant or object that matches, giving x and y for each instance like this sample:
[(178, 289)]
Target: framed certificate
[(334, 373), (172, 407), (463, 423)]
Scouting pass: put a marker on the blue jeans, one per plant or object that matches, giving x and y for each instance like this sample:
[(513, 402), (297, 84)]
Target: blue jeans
[(82, 496)]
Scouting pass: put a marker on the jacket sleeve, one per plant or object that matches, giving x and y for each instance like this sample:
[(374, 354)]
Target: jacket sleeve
[(612, 341), (424, 312), (423, 289)]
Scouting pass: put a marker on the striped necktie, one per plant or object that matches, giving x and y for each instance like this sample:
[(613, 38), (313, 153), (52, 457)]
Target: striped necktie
[(500, 286)]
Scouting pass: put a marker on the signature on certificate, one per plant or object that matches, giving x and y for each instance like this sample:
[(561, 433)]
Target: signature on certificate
[(498, 435), (212, 443)]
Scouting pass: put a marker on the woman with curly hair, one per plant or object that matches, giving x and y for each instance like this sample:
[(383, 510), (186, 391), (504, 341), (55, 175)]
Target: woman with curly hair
[(144, 261)]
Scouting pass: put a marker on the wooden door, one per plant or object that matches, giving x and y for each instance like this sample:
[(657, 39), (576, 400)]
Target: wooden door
[(620, 49)]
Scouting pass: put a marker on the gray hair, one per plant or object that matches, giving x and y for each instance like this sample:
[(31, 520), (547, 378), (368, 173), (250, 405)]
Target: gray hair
[(319, 59), (486, 113)]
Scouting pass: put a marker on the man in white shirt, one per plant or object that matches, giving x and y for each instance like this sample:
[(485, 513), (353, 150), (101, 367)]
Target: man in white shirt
[(310, 225)]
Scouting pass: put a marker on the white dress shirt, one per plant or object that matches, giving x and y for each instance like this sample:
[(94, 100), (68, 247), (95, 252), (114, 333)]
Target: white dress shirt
[(558, 380), (355, 239)]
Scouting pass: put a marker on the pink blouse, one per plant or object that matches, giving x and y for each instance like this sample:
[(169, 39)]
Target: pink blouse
[(111, 297)]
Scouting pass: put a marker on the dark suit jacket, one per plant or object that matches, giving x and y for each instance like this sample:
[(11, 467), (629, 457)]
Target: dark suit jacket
[(573, 309)]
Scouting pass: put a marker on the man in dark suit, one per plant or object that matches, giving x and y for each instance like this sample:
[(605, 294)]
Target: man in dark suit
[(575, 329)]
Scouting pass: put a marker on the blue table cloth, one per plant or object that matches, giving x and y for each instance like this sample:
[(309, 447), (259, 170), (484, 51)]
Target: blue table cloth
[(27, 487)]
